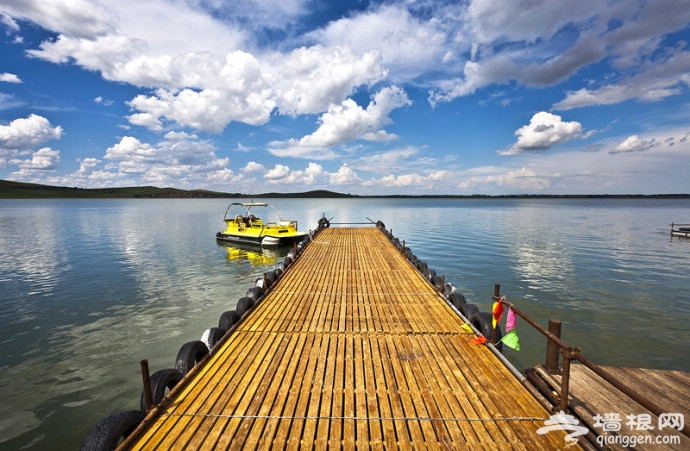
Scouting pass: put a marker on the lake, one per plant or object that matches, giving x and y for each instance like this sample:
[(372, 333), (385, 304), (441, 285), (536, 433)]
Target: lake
[(91, 287)]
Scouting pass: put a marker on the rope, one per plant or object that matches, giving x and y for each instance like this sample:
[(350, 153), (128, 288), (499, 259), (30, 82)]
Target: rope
[(348, 418), (331, 293)]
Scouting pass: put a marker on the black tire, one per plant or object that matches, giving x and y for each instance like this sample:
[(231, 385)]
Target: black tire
[(255, 293), (160, 381), (189, 355), (212, 336), (287, 261), (468, 310), (243, 305), (448, 289), (106, 434), (457, 299), (228, 319), (482, 321)]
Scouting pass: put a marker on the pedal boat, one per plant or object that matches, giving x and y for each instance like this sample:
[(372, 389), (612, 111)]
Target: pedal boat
[(242, 226)]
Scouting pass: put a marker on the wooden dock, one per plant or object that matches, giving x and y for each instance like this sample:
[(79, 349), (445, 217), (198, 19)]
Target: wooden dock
[(591, 397), (351, 348)]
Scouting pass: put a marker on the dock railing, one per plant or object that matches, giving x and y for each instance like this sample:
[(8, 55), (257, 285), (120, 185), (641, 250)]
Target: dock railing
[(556, 346)]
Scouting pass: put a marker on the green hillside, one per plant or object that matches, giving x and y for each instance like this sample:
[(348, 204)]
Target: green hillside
[(19, 190)]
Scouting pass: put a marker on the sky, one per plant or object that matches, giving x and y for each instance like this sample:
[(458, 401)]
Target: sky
[(363, 97)]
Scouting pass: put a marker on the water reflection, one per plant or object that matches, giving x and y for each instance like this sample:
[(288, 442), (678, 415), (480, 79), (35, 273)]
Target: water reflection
[(540, 248), (254, 255)]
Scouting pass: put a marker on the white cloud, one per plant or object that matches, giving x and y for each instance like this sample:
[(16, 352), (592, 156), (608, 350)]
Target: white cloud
[(308, 80), (23, 133), (543, 132), (9, 22), (633, 143), (655, 82), (9, 78), (524, 20), (313, 174), (345, 176), (408, 45), (253, 167), (512, 180), (344, 123), (541, 43), (45, 159), (277, 172), (181, 159)]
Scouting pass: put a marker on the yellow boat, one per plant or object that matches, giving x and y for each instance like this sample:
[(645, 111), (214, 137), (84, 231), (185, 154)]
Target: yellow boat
[(242, 226)]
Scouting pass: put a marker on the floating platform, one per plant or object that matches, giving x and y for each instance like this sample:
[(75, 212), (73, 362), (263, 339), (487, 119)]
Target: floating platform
[(590, 395), (351, 348), (680, 230)]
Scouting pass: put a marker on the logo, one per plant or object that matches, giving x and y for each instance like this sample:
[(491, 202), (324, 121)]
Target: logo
[(613, 432), (564, 422)]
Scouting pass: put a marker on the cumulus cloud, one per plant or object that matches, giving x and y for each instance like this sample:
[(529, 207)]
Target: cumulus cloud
[(277, 172), (253, 167), (282, 175), (346, 122), (344, 177), (634, 143), (9, 78), (308, 80), (543, 132), (408, 45), (43, 160), (180, 157), (22, 134)]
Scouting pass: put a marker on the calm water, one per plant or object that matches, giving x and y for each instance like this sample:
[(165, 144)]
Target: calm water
[(90, 287)]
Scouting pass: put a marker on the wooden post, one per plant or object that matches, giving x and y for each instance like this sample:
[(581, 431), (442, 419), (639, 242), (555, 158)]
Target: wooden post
[(565, 379), (145, 376), (552, 348)]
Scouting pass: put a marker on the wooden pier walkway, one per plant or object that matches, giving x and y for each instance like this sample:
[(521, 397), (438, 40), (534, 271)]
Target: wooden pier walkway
[(352, 348)]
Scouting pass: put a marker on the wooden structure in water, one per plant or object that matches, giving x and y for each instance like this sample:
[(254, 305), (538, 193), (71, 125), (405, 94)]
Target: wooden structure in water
[(351, 348), (591, 397), (680, 230)]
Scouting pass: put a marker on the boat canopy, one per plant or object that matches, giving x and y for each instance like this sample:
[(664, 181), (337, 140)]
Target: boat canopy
[(246, 205)]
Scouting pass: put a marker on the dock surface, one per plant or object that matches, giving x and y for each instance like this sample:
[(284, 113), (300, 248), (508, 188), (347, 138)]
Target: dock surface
[(352, 348)]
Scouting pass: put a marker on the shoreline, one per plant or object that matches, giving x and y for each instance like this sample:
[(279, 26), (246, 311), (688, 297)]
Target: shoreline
[(21, 190)]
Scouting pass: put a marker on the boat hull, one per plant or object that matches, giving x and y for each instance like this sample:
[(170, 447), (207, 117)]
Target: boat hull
[(260, 240)]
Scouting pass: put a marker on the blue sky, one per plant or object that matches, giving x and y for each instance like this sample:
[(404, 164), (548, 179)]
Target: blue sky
[(406, 97)]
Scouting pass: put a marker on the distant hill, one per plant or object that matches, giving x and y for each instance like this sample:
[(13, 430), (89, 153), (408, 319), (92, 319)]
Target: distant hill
[(19, 190), (309, 194)]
